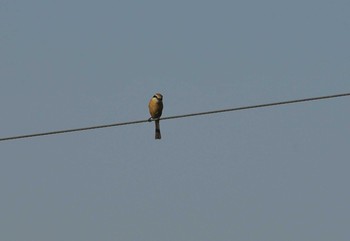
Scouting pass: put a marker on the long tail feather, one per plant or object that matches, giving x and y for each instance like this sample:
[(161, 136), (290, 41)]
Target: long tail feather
[(158, 135)]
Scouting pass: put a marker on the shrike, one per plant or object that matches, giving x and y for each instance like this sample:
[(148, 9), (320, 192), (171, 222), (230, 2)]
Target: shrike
[(155, 107)]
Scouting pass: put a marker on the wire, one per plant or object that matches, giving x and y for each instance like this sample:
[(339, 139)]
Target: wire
[(176, 117), (257, 106)]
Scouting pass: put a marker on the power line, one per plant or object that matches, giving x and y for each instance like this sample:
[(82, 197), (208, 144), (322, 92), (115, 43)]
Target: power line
[(177, 116), (258, 106)]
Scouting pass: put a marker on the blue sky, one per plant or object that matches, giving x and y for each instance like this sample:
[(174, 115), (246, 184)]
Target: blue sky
[(278, 173)]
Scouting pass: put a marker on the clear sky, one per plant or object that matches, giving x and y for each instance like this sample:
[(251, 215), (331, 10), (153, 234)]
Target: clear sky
[(278, 173)]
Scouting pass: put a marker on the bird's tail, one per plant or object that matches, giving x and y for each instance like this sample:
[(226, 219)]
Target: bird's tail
[(157, 136)]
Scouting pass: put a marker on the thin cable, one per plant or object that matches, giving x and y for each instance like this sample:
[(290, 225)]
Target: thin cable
[(176, 117), (257, 106)]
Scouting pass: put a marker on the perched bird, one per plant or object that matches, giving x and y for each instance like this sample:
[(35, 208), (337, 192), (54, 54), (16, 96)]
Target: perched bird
[(155, 107)]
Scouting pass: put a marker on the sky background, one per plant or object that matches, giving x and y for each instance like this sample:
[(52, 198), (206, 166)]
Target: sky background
[(279, 173)]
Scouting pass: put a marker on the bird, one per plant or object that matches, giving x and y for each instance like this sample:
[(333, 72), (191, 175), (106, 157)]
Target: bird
[(155, 107)]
